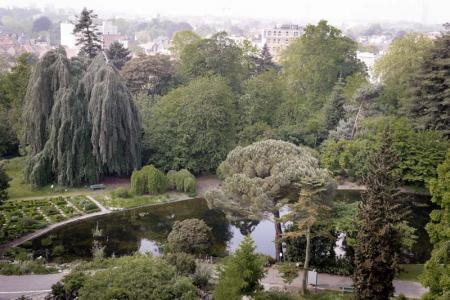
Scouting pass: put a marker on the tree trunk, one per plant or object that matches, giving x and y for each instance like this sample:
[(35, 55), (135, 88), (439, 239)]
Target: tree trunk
[(306, 264), (278, 233)]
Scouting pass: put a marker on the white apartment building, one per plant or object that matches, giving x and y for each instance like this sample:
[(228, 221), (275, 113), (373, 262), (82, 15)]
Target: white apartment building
[(279, 37), (68, 39)]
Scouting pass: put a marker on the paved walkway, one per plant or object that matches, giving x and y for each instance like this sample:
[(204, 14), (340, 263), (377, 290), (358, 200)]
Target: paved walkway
[(34, 286), (410, 289), (12, 287)]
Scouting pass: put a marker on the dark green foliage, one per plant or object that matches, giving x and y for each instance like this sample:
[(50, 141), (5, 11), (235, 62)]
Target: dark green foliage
[(13, 87), (68, 288), (193, 126), (118, 54), (431, 88), (240, 274), (378, 241), (265, 61), (153, 74), (334, 111), (183, 262), (88, 36), (323, 257), (190, 236), (437, 270), (42, 24), (218, 55), (80, 125)]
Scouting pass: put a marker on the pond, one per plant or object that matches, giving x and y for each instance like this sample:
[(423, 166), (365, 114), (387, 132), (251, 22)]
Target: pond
[(145, 229)]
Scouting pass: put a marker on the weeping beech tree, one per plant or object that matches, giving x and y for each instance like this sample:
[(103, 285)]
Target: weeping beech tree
[(80, 124)]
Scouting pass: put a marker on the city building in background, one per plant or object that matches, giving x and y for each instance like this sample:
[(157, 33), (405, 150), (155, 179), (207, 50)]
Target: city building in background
[(279, 37)]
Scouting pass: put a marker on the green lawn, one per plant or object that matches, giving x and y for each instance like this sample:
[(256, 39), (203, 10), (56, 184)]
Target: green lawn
[(19, 189), (410, 272), (132, 201)]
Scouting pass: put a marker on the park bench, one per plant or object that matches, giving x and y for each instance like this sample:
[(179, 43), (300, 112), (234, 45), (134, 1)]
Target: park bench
[(347, 289), (97, 187)]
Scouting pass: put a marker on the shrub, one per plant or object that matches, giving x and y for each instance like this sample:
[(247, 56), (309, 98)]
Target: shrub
[(156, 180), (190, 236), (138, 183), (120, 192), (171, 179), (183, 262), (182, 181), (274, 295), (202, 275)]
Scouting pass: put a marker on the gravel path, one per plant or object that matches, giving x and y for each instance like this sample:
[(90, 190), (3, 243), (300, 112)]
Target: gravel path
[(410, 289)]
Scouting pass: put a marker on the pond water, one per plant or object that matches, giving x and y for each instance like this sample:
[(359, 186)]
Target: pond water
[(146, 229)]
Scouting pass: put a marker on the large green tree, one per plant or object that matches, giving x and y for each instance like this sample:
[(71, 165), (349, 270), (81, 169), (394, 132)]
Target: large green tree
[(80, 124), (401, 62), (88, 35), (431, 88), (193, 126), (437, 269), (334, 111), (315, 62), (378, 240), (181, 39), (218, 55), (4, 184), (258, 178), (240, 274), (152, 74)]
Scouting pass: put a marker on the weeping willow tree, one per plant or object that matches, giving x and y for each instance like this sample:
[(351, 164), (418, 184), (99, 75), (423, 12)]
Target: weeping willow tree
[(80, 124)]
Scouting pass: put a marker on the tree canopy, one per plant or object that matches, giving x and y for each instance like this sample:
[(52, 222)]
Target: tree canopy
[(88, 35), (80, 124), (118, 54), (193, 126)]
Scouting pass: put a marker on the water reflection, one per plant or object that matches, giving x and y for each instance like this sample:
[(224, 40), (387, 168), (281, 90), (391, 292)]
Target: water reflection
[(146, 229)]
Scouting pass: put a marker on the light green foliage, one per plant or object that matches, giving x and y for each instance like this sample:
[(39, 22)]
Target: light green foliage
[(138, 183), (437, 270), (137, 277), (420, 151), (397, 67), (72, 122), (217, 55), (314, 62), (334, 110), (190, 236), (240, 274), (120, 192), (181, 39), (193, 126), (182, 181), (156, 180), (288, 271)]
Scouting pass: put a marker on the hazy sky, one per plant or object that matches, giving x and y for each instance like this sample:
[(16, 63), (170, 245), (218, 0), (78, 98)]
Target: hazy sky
[(428, 11)]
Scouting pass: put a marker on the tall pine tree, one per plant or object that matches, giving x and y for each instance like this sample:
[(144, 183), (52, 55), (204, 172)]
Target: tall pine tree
[(430, 107), (378, 241), (88, 36), (118, 54)]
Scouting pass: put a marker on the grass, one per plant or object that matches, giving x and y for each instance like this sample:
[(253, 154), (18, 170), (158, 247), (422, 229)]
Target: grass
[(410, 272), (132, 201), (18, 188)]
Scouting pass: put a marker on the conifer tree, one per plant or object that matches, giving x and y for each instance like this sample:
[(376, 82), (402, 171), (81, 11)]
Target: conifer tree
[(118, 54), (265, 61), (378, 241), (241, 273), (335, 110), (88, 36), (431, 88), (4, 184)]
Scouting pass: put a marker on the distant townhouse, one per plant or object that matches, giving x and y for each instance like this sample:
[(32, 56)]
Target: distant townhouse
[(279, 37)]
